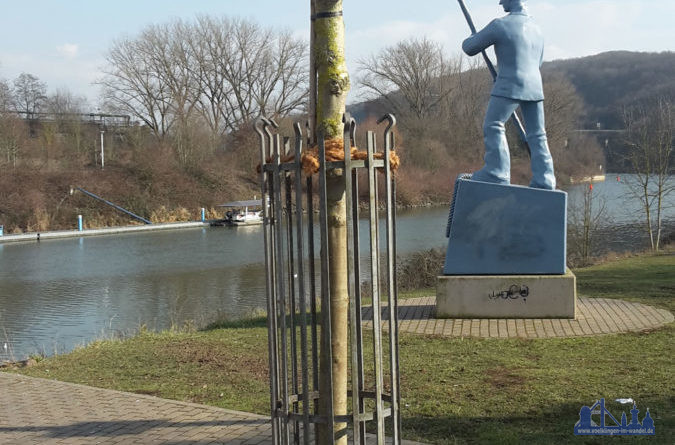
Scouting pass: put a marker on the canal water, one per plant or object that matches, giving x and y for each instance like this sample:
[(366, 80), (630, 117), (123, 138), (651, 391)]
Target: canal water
[(58, 294)]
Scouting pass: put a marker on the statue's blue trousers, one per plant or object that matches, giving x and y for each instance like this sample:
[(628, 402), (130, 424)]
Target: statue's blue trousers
[(497, 168)]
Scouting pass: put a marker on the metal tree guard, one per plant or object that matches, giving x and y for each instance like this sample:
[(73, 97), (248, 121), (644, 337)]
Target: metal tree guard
[(293, 287)]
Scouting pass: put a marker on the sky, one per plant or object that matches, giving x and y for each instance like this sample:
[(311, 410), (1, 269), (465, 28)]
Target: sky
[(63, 42)]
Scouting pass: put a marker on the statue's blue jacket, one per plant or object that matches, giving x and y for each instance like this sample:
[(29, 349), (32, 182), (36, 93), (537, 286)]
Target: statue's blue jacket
[(519, 46)]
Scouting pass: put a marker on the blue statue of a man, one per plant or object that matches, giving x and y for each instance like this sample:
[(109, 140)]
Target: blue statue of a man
[(519, 45)]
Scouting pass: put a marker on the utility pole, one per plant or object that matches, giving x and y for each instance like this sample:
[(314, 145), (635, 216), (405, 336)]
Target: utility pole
[(102, 152)]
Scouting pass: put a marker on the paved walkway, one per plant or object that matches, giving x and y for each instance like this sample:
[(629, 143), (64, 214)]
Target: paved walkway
[(40, 411), (36, 411), (595, 316)]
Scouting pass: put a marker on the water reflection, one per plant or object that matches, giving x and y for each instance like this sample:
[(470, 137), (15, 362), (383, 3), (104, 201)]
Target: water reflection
[(620, 225)]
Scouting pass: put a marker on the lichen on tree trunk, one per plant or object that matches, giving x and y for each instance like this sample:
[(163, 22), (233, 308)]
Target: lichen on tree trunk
[(333, 79), (332, 87)]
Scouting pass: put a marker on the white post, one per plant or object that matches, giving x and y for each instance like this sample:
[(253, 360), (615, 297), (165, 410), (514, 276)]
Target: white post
[(102, 152)]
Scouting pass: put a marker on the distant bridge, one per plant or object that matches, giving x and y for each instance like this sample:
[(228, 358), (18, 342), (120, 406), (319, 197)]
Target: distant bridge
[(599, 131), (102, 119)]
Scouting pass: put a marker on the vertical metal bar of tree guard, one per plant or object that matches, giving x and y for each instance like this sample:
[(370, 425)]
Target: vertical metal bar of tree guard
[(302, 297), (312, 297), (375, 286), (395, 285), (309, 191), (270, 123), (326, 330), (290, 252), (359, 372), (312, 273), (281, 294), (352, 280), (391, 273), (269, 288), (273, 238), (311, 255)]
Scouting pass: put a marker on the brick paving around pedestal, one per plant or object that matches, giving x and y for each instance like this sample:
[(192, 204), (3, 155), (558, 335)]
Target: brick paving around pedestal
[(595, 316), (37, 411)]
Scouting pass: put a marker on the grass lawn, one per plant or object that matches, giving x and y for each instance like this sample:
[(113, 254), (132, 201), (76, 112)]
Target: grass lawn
[(454, 390)]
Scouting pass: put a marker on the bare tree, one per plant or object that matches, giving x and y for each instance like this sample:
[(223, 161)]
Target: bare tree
[(29, 93), (563, 108), (412, 76), (281, 87), (586, 216), (63, 101), (212, 73), (462, 117), (241, 66), (13, 133), (168, 52), (649, 135), (209, 48), (66, 109), (264, 71), (131, 86), (6, 99)]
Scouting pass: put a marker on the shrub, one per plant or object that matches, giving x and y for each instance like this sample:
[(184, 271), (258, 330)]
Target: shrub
[(419, 270)]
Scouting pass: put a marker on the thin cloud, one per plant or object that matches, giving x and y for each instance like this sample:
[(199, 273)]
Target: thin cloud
[(68, 50), (579, 28)]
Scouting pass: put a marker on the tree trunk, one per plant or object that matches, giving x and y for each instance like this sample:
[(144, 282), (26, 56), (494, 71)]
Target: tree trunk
[(646, 204), (312, 80), (332, 88), (659, 222)]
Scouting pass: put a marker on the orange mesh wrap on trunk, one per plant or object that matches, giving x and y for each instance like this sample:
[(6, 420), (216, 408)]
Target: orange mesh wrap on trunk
[(335, 152)]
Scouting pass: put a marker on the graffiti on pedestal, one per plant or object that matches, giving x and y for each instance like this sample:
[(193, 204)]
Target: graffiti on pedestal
[(514, 292)]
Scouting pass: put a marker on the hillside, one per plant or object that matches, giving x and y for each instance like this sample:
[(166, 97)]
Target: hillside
[(606, 83), (37, 194), (609, 81)]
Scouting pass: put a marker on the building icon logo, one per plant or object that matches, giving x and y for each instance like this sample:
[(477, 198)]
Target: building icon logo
[(587, 427)]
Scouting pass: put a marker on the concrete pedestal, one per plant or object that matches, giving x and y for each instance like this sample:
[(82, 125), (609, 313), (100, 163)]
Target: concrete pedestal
[(506, 296)]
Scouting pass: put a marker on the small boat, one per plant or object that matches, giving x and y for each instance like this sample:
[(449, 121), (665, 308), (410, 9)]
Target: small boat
[(594, 178), (242, 213)]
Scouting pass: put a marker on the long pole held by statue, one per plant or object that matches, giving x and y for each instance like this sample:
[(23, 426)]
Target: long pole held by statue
[(493, 71)]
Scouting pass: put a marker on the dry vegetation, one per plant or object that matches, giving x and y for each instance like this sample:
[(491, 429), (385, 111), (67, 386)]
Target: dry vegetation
[(147, 179)]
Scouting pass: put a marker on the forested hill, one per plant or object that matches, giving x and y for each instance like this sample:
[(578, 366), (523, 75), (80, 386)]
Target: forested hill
[(609, 81), (606, 82)]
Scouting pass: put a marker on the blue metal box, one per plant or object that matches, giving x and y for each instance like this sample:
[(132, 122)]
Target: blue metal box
[(497, 229)]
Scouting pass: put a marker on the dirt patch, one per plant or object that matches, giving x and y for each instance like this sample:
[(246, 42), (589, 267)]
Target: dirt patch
[(504, 378), (226, 360), (533, 357)]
